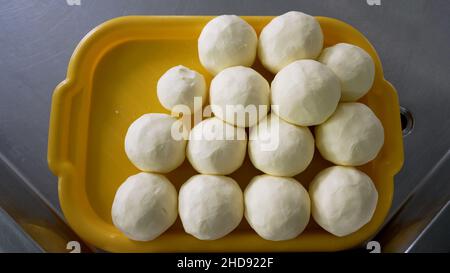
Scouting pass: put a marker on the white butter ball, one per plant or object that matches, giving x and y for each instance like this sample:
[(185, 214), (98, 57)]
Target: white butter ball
[(240, 96), (354, 68), (226, 41), (216, 147), (287, 38), (210, 206), (280, 148), (306, 92), (145, 206), (179, 86), (352, 136), (277, 208), (151, 144), (343, 199)]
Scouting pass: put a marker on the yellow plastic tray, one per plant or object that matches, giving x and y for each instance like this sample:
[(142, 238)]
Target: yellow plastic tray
[(111, 81)]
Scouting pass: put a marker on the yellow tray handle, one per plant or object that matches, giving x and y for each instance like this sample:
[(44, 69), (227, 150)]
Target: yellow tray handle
[(59, 128)]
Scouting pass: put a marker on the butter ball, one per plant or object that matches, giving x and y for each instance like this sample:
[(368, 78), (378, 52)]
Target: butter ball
[(226, 41), (144, 206), (210, 206), (280, 148), (343, 199), (152, 145), (287, 38), (306, 91), (215, 147), (179, 86), (352, 136), (240, 96), (277, 208), (354, 68)]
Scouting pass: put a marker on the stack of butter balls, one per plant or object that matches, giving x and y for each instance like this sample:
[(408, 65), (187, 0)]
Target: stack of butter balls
[(314, 88)]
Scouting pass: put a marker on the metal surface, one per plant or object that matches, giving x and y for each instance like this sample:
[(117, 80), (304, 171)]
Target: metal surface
[(13, 238), (38, 37), (32, 214), (430, 240), (424, 211)]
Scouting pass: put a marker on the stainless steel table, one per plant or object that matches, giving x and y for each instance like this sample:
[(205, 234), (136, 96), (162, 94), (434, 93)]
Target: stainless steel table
[(412, 38)]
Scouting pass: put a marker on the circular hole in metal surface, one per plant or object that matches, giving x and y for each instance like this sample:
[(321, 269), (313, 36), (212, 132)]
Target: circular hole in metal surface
[(407, 121)]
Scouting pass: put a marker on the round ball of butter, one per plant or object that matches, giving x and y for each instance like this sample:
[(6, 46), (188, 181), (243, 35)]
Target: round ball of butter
[(216, 147), (343, 199), (306, 92), (210, 206), (145, 206), (352, 136), (277, 208), (240, 96), (179, 86), (280, 148), (354, 68), (287, 38), (151, 143), (226, 41)]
